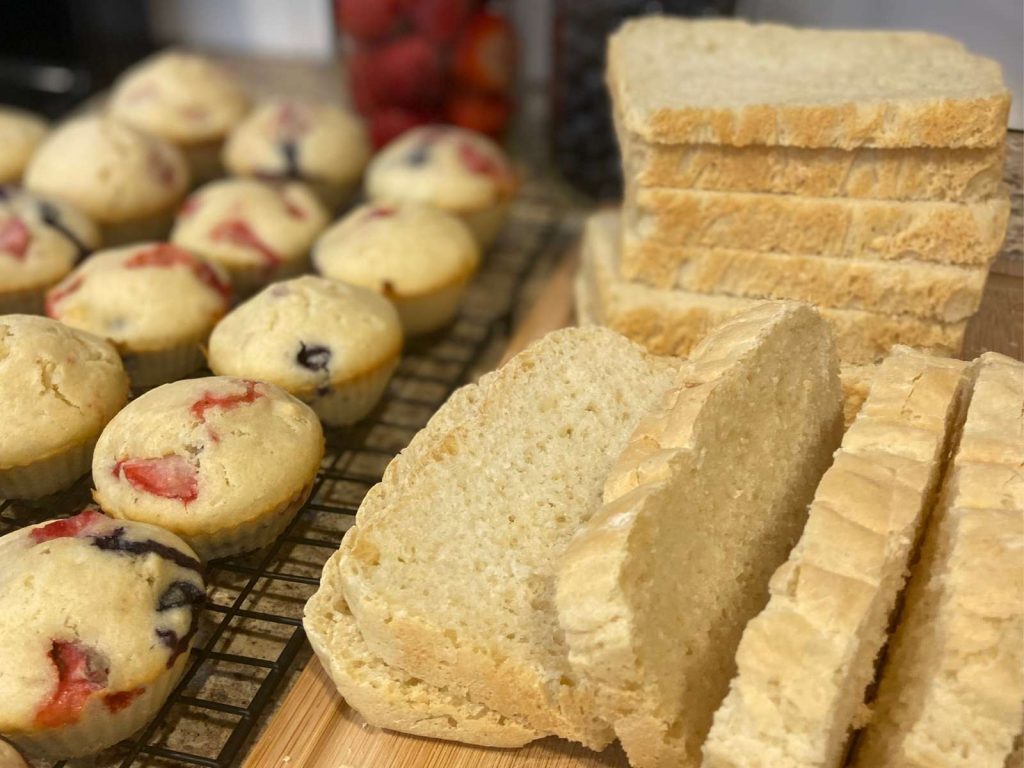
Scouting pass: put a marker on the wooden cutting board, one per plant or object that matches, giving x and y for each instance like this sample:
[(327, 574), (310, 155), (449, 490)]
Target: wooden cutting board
[(314, 728)]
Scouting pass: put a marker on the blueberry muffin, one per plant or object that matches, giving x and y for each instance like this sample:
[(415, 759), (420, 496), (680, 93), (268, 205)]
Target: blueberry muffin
[(97, 617), (20, 133), (456, 170), (58, 388), (127, 181), (40, 242), (224, 463), (185, 99), (155, 302), (259, 232), (418, 257), (313, 142), (330, 344)]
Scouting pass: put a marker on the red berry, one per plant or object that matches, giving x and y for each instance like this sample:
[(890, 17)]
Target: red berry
[(115, 702), (391, 122), (171, 477), (240, 233), (69, 527), (480, 112), (407, 73), (225, 402), (367, 19), (485, 56), (441, 20), (81, 671), (57, 294), (165, 255), (15, 238)]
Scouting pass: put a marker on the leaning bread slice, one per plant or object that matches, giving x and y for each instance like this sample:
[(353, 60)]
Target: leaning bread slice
[(806, 660), (945, 233), (951, 693), (701, 507), (386, 696), (670, 322), (450, 568), (732, 82)]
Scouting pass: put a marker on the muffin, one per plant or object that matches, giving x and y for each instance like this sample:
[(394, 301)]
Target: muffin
[(97, 617), (418, 257), (186, 100), (259, 232), (58, 388), (127, 181), (155, 302), (330, 344), (40, 242), (313, 142), (223, 463), (458, 171), (20, 133)]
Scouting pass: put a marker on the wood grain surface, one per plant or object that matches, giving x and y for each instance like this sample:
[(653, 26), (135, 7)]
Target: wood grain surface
[(314, 728)]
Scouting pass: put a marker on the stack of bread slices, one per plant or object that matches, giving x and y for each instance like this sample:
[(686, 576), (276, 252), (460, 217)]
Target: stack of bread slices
[(597, 543), (858, 171)]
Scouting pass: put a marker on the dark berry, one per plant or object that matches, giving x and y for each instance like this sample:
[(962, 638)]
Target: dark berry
[(314, 357), (116, 542), (181, 594)]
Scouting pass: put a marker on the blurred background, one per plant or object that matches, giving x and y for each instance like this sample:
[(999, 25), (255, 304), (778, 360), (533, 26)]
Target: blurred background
[(529, 72)]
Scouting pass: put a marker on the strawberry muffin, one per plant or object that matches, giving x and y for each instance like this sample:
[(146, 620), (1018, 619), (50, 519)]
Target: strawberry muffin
[(259, 232), (20, 133), (156, 303), (185, 99), (330, 344), (58, 388), (97, 617), (127, 181), (418, 257), (40, 242), (456, 170), (224, 463), (313, 142)]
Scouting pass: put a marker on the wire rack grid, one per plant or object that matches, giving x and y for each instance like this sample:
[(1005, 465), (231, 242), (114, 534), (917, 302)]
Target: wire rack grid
[(251, 635)]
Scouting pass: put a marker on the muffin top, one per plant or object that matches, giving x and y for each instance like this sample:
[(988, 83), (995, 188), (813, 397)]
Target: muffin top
[(20, 133), (401, 250), (108, 170), (299, 140), (58, 387), (452, 168), (243, 223), (200, 455), (307, 333), (181, 97), (72, 646), (142, 297), (40, 240)]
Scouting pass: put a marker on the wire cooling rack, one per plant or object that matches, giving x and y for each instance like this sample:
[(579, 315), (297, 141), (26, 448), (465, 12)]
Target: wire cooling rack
[(251, 635)]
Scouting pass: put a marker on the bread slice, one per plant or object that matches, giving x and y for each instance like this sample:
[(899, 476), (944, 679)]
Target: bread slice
[(671, 322), (945, 233), (952, 175), (701, 507), (386, 696), (951, 693), (806, 661), (731, 82), (939, 292), (450, 567)]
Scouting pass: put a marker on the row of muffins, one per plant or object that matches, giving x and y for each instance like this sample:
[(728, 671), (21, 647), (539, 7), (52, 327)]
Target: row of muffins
[(200, 468)]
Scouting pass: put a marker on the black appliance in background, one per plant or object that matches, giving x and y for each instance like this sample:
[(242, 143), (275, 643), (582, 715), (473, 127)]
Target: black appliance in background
[(585, 150), (56, 53)]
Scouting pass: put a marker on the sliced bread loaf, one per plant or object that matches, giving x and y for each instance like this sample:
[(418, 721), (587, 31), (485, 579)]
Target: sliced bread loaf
[(671, 322), (951, 693), (953, 175), (941, 292), (450, 568), (386, 696), (805, 661), (944, 233), (701, 507), (731, 82)]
